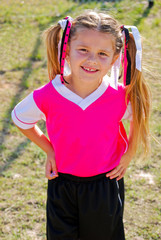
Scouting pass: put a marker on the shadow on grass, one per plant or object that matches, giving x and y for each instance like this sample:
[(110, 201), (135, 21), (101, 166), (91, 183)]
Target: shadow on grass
[(17, 151), (144, 15), (96, 1), (28, 69)]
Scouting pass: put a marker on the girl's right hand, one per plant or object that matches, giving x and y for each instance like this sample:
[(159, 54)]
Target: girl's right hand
[(51, 171)]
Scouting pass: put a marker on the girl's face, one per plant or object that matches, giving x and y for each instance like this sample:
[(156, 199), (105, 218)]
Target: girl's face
[(91, 55)]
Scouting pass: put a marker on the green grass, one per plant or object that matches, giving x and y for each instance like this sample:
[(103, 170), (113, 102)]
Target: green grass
[(22, 69)]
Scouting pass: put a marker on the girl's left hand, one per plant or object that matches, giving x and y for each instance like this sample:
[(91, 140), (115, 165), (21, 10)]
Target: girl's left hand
[(119, 171)]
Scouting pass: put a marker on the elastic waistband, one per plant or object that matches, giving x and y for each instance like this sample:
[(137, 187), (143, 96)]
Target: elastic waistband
[(81, 179)]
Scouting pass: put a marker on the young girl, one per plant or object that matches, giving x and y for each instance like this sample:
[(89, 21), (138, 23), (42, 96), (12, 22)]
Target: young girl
[(88, 151)]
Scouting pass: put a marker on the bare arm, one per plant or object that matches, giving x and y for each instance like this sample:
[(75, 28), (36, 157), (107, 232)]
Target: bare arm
[(120, 170), (38, 137)]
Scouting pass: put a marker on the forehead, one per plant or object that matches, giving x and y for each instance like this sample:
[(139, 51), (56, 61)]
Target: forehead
[(90, 37)]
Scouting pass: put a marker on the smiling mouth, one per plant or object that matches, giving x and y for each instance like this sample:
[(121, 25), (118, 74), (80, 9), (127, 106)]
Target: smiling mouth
[(89, 70)]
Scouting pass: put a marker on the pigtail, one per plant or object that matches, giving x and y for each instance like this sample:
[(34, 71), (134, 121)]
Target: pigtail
[(139, 94), (52, 38)]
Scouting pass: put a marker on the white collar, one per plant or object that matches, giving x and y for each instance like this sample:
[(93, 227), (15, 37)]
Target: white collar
[(73, 97)]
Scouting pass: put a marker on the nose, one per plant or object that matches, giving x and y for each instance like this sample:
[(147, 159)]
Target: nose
[(92, 58)]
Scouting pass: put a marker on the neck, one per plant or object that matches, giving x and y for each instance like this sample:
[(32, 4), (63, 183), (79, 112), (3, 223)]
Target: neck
[(81, 88)]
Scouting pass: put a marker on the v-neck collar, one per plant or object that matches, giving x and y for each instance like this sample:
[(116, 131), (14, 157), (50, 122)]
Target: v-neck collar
[(73, 97)]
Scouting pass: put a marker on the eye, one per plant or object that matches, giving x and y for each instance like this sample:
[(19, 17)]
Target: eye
[(83, 50), (103, 54)]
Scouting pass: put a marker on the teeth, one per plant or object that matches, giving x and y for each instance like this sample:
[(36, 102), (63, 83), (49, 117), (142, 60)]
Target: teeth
[(88, 69)]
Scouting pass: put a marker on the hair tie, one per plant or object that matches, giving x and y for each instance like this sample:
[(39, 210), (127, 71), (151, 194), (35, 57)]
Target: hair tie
[(127, 60), (115, 70), (137, 40), (63, 22), (66, 26), (127, 68)]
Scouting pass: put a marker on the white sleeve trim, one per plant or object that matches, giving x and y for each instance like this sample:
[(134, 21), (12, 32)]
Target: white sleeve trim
[(128, 112), (26, 113)]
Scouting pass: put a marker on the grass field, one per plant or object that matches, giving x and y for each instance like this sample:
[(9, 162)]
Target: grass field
[(22, 69)]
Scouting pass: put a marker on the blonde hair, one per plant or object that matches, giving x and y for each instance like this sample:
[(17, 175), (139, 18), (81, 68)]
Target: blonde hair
[(139, 94), (137, 91), (52, 37)]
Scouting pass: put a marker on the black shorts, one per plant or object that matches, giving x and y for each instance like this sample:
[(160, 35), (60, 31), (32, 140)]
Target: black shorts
[(85, 208)]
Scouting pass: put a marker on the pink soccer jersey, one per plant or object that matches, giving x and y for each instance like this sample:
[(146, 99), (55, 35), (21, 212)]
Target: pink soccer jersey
[(87, 134)]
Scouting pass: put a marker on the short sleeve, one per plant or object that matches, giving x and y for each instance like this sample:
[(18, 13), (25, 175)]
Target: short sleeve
[(26, 113), (128, 112)]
